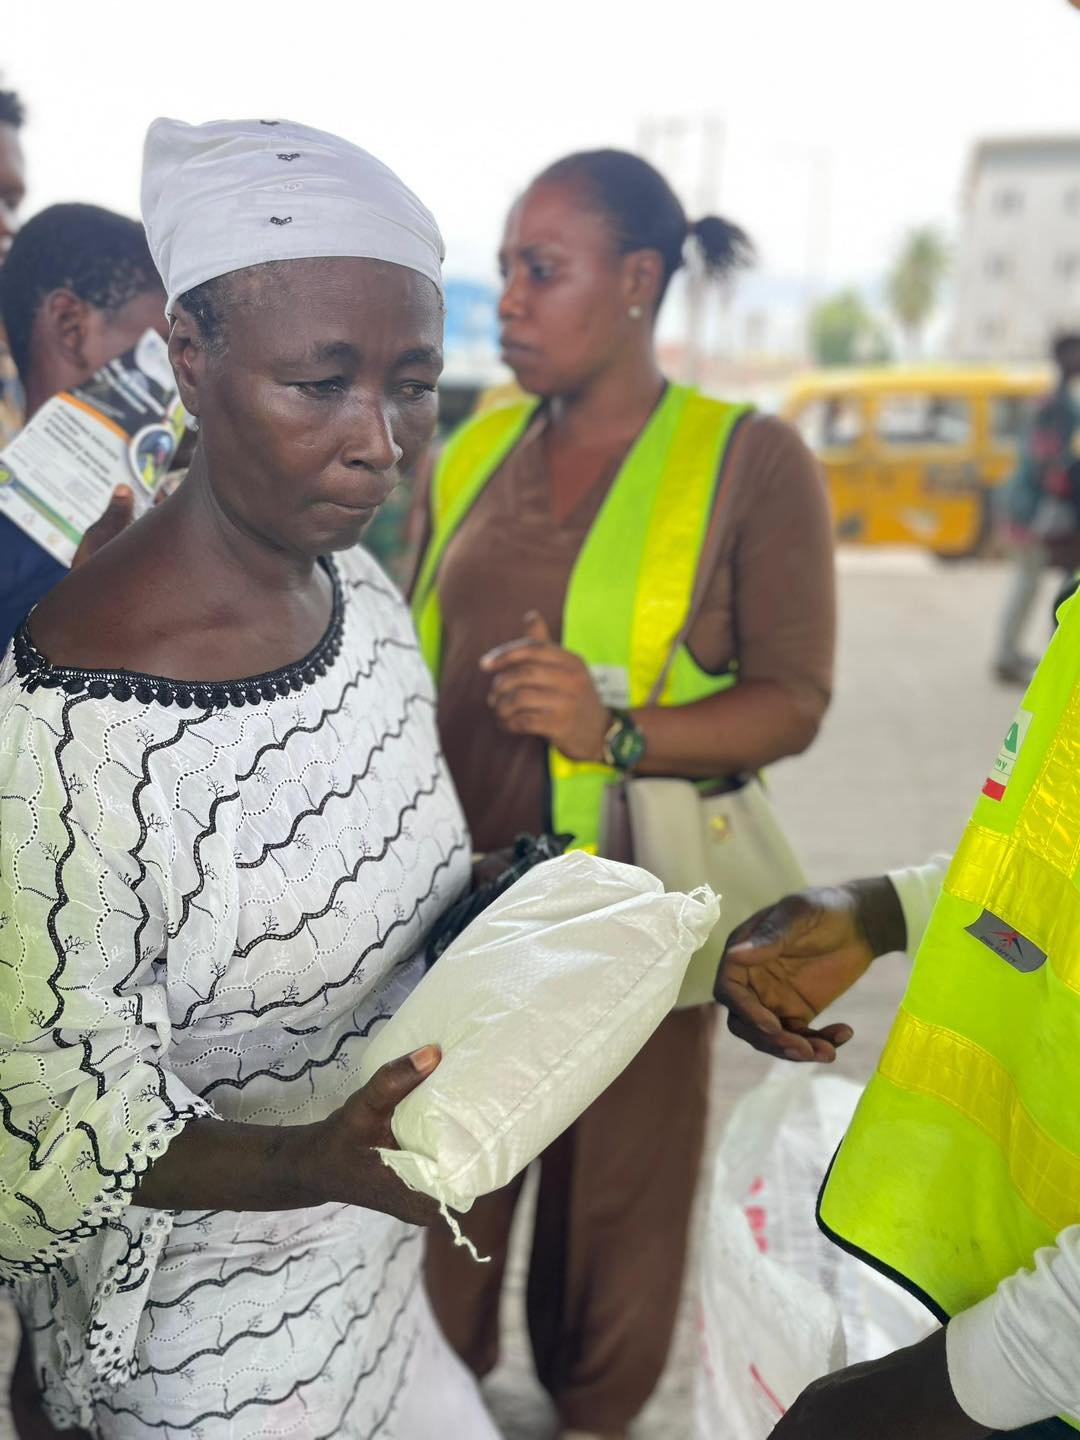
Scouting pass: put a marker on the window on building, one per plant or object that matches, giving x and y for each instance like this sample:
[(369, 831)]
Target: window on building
[(909, 421), (998, 267), (1009, 201), (1011, 417), (831, 424)]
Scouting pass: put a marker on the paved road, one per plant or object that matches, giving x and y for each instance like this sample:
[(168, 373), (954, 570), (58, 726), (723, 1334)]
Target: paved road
[(915, 723)]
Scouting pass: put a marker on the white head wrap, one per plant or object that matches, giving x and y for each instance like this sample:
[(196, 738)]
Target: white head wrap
[(233, 193)]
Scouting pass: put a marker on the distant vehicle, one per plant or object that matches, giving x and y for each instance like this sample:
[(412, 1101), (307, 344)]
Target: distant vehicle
[(912, 455)]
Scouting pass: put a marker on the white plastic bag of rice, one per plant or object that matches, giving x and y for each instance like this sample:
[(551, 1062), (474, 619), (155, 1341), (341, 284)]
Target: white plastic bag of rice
[(538, 1005)]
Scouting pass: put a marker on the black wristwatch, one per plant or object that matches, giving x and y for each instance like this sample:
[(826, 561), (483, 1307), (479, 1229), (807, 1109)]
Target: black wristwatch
[(624, 744)]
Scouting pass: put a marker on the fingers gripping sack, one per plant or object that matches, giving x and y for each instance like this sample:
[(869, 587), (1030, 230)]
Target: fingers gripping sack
[(537, 1006)]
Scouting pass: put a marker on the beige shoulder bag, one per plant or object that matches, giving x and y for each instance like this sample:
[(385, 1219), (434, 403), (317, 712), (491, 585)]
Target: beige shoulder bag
[(688, 833)]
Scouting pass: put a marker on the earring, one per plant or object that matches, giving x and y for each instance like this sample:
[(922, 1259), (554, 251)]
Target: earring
[(635, 312)]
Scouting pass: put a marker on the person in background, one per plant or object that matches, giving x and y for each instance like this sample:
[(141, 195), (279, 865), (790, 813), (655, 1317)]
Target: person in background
[(959, 1176), (563, 536), (1041, 506), (78, 289), (12, 194)]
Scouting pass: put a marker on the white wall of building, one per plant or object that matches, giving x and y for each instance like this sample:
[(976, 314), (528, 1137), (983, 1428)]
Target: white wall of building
[(1017, 279)]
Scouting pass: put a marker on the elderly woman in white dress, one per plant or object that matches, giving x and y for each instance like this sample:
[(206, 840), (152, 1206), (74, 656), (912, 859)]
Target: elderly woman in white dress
[(225, 829)]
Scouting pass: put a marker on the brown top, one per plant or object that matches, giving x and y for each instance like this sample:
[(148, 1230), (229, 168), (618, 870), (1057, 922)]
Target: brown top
[(770, 605)]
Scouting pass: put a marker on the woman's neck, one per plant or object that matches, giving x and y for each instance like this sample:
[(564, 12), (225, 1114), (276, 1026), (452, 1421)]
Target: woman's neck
[(611, 407), (220, 544)]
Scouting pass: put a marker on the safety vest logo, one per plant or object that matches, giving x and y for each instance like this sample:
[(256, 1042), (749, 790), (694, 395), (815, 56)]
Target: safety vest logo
[(1008, 755), (1007, 943)]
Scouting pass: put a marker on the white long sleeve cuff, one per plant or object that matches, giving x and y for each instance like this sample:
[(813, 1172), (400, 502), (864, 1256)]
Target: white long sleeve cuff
[(1012, 1357), (918, 887)]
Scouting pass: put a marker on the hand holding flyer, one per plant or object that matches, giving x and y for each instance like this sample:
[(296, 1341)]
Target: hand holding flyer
[(122, 426)]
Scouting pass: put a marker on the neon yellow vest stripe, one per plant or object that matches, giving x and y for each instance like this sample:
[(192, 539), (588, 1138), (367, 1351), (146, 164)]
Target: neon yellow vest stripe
[(963, 1157), (631, 585)]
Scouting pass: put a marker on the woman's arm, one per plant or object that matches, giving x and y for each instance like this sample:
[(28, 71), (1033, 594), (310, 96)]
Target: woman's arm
[(752, 725), (224, 1165)]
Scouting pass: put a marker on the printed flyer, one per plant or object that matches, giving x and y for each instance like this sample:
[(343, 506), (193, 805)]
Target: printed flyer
[(122, 427)]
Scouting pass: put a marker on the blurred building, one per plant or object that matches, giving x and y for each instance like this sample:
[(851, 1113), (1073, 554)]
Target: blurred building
[(1017, 276), (471, 339)]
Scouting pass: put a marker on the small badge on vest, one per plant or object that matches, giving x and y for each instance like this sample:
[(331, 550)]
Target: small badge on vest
[(998, 779), (1007, 943)]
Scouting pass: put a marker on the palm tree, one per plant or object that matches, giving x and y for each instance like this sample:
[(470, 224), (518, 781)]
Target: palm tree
[(914, 286), (845, 331)]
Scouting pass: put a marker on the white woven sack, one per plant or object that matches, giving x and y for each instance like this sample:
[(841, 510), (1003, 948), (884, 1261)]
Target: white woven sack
[(538, 1005)]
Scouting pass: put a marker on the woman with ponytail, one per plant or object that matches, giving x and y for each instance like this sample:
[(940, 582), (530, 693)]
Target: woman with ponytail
[(563, 541)]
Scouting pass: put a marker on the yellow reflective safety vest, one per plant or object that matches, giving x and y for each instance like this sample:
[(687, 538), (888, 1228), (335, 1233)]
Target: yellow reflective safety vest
[(630, 589), (963, 1157)]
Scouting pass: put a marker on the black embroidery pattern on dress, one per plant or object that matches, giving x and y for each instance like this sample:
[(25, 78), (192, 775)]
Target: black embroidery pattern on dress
[(289, 155), (280, 219), (306, 1068), (364, 582), (174, 927), (219, 1282), (372, 1368), (188, 723), (131, 1269), (269, 122), (444, 863), (424, 791), (198, 1218), (61, 894), (286, 1318), (399, 1386), (363, 672), (344, 1340), (358, 778), (35, 670), (96, 1216)]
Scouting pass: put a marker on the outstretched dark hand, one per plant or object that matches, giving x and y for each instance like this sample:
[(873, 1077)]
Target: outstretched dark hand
[(788, 963)]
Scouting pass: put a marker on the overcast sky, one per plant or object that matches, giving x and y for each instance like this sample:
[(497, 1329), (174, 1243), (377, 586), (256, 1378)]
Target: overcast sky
[(845, 121)]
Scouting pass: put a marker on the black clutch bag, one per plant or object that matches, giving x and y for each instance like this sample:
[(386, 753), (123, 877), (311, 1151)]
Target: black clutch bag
[(528, 851)]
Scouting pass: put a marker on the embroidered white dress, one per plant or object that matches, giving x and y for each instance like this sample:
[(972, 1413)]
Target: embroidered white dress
[(210, 896)]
